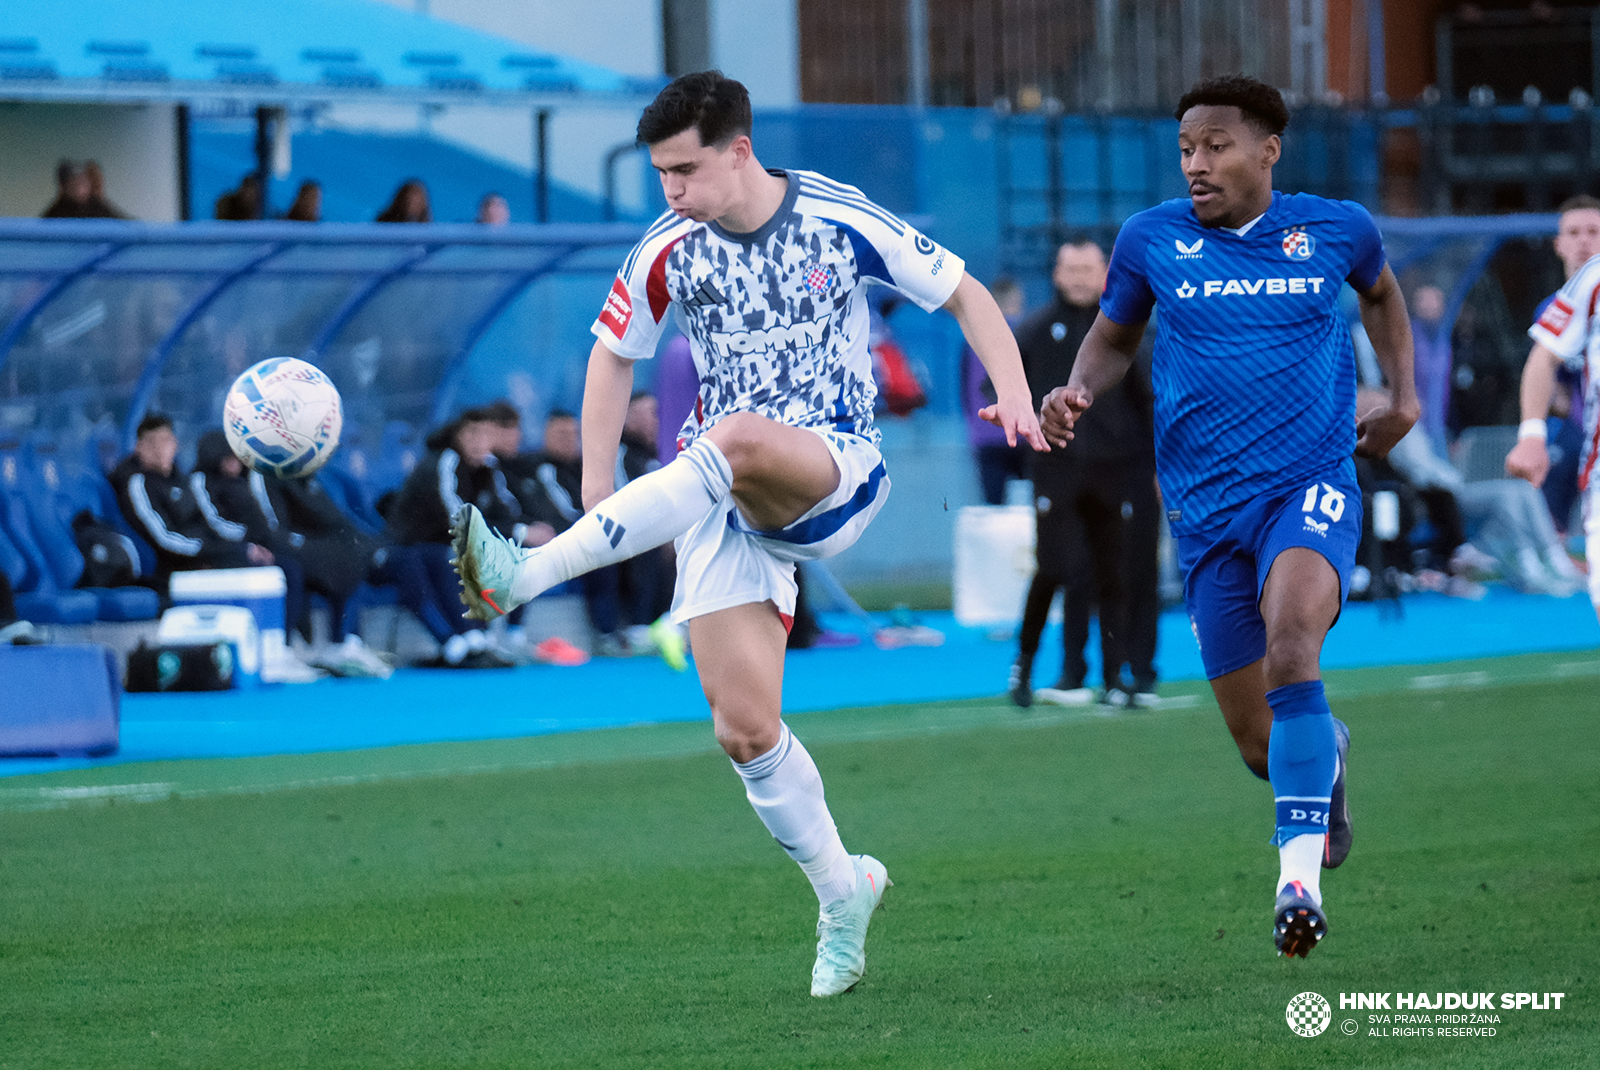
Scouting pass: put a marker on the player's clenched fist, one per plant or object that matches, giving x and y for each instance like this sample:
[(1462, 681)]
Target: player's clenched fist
[(1062, 407), (1529, 459), (1382, 427)]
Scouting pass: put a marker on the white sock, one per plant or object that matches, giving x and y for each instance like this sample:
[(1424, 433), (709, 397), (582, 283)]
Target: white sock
[(653, 509), (786, 790), (455, 649), (1301, 860)]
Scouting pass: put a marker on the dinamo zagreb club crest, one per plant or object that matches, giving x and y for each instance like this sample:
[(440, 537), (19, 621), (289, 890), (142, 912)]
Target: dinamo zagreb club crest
[(1297, 244)]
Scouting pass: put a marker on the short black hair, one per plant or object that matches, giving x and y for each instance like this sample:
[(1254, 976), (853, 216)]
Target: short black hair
[(712, 103), (560, 414), (502, 413), (1261, 104), (153, 421), (1077, 239)]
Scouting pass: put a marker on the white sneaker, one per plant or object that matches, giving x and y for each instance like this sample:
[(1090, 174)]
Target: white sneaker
[(353, 658), (285, 667), (842, 930), (1059, 696)]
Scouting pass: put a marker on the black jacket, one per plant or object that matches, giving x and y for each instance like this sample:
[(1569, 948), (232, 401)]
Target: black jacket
[(235, 508), (438, 486), (533, 494), (1119, 426), (163, 510)]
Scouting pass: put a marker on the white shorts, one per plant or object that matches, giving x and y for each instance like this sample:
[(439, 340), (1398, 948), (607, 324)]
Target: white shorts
[(724, 562)]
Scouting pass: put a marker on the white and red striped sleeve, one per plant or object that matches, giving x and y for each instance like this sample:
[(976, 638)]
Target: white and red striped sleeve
[(1567, 322), (635, 310)]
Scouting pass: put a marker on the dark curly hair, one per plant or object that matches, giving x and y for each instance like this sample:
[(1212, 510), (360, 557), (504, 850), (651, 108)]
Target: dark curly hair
[(1261, 105), (714, 104)]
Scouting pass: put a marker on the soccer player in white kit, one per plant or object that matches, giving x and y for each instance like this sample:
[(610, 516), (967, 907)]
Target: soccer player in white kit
[(778, 462), (1567, 332)]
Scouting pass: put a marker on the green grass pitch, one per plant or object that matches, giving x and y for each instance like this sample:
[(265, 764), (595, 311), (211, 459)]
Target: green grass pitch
[(1070, 891)]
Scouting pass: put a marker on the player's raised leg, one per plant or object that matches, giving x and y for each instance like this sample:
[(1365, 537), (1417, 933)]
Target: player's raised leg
[(739, 654), (775, 473)]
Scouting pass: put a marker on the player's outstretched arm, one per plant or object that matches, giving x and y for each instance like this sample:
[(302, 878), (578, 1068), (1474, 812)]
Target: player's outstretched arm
[(1103, 359), (606, 390), (1530, 458), (1383, 314), (990, 336)]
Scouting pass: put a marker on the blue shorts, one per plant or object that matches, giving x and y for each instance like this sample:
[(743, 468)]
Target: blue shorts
[(1224, 571)]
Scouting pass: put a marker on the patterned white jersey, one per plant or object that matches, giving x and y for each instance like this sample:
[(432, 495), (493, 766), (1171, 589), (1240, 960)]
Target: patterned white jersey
[(1570, 328), (777, 319)]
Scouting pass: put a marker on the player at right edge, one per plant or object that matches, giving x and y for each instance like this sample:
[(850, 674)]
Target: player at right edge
[(1254, 383)]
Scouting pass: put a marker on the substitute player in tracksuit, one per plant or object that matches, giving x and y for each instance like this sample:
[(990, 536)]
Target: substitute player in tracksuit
[(779, 459), (1254, 388)]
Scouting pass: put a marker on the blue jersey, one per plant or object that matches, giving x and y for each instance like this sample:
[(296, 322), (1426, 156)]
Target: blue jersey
[(1253, 375)]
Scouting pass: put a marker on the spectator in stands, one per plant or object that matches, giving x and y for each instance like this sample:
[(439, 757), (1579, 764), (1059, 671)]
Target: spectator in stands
[(1095, 505), (410, 204), (997, 462), (242, 202), (156, 500), (307, 206), (99, 205), (493, 211), (72, 193), (80, 194), (317, 546), (460, 467), (1430, 339)]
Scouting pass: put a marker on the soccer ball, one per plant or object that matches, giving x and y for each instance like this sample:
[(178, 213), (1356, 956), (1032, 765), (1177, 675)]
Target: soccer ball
[(282, 417)]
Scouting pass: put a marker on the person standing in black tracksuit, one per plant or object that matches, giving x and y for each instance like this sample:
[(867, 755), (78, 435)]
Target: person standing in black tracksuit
[(1096, 502)]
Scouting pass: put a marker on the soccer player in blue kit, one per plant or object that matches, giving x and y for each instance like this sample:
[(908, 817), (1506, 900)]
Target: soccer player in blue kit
[(1254, 382)]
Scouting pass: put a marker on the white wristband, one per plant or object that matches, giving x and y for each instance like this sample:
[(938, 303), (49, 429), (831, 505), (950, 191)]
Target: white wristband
[(1533, 429)]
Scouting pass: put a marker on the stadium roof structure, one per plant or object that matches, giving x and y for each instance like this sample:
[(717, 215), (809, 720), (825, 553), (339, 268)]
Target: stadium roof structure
[(283, 52), (103, 319)]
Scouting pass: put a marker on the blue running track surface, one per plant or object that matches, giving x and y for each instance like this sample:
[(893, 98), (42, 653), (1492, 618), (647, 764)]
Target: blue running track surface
[(426, 706)]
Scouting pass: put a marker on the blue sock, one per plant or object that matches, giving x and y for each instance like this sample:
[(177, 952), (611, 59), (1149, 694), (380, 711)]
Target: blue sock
[(1302, 759)]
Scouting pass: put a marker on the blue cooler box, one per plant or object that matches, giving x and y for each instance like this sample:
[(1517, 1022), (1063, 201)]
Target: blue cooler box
[(260, 590)]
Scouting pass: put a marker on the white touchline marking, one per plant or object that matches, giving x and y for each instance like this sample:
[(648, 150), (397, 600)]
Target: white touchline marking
[(1449, 679)]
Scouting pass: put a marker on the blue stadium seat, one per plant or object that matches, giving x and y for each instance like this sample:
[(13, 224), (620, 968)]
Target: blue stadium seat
[(398, 454), (352, 496), (42, 606), (38, 515)]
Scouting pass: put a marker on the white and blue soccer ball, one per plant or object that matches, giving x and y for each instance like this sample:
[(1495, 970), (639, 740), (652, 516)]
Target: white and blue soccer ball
[(283, 417)]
